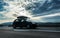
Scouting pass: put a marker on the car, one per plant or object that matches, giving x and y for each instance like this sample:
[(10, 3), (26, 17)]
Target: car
[(21, 22)]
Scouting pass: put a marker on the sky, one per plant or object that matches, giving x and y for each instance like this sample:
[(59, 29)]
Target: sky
[(36, 10)]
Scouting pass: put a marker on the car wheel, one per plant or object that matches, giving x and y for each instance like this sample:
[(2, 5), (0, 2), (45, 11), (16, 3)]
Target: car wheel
[(14, 27)]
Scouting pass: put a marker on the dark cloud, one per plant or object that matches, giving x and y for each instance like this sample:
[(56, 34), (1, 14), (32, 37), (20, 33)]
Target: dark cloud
[(46, 8), (2, 4), (52, 19)]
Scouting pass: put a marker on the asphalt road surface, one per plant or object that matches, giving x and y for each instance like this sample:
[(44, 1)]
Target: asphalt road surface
[(28, 34), (9, 32)]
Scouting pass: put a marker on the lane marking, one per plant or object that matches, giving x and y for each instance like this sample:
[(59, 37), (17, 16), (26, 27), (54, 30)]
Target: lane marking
[(35, 30)]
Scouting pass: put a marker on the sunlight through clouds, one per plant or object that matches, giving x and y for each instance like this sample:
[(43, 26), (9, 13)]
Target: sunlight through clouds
[(36, 10)]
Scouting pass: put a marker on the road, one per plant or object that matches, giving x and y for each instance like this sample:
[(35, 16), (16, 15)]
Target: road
[(9, 33), (28, 34)]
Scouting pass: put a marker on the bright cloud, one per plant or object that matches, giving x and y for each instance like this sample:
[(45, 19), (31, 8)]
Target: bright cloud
[(18, 8)]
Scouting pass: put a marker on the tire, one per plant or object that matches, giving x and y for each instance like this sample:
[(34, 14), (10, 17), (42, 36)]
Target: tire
[(14, 27)]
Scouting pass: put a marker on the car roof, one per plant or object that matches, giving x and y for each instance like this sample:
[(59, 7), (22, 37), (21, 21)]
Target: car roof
[(22, 17)]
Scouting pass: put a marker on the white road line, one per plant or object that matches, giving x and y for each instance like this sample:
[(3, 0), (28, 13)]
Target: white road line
[(36, 30)]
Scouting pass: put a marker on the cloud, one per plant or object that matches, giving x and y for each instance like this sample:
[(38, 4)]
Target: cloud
[(3, 21), (2, 4), (45, 8), (47, 18), (38, 10), (13, 9), (51, 15)]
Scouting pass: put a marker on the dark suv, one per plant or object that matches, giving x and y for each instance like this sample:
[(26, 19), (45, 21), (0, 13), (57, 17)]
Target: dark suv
[(21, 22)]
